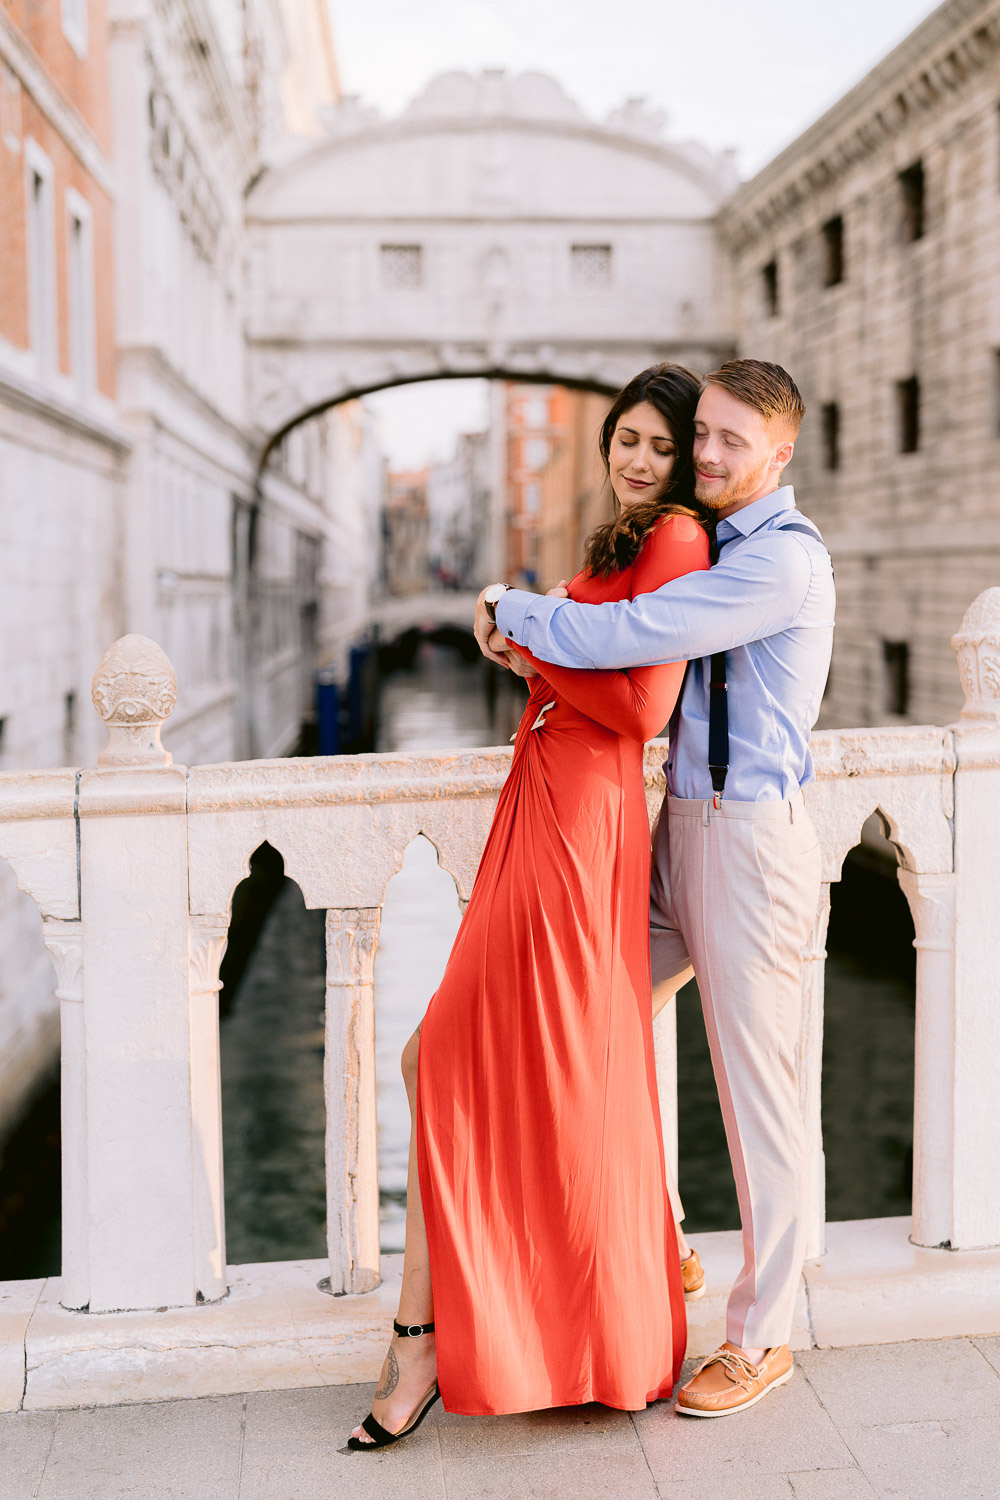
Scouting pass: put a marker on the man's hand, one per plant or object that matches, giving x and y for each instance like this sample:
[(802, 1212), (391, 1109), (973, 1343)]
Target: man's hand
[(484, 628), (513, 660)]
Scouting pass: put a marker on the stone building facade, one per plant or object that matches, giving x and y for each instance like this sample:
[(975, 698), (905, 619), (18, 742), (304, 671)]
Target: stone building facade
[(866, 260), (132, 493)]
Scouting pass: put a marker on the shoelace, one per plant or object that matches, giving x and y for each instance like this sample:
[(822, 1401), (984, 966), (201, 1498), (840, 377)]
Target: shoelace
[(735, 1365)]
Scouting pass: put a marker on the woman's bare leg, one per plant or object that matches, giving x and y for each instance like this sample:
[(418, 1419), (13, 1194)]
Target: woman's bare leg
[(410, 1366), (662, 995)]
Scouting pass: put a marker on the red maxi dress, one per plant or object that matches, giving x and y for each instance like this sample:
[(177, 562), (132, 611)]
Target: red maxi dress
[(553, 1253)]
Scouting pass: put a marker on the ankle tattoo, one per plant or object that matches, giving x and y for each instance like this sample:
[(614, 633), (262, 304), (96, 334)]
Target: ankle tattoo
[(391, 1380)]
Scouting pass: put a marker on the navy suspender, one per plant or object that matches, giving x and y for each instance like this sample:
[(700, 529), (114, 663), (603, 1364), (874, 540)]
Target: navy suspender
[(718, 701)]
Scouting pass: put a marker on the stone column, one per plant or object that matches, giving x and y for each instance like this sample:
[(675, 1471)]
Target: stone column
[(665, 1052), (932, 905), (976, 1182), (809, 1065), (349, 1083), (207, 938), (146, 1110), (64, 940)]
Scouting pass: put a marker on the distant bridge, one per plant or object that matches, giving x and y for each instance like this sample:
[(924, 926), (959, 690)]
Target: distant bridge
[(419, 611)]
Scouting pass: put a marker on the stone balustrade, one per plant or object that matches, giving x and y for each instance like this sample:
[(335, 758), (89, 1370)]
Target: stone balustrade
[(133, 864)]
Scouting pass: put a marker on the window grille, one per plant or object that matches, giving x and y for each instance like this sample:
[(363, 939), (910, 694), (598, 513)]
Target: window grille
[(833, 247), (830, 418), (402, 267), (911, 186), (591, 266), (908, 413)]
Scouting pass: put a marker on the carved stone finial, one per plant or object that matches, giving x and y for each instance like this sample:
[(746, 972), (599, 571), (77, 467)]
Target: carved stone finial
[(977, 646), (134, 691)]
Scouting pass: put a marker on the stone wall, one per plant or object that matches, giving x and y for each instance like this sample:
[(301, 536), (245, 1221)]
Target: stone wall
[(880, 225)]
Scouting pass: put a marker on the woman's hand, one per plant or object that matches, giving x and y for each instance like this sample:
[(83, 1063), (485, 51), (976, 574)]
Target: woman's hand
[(513, 660)]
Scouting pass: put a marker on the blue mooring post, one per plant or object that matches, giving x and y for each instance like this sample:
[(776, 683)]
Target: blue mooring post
[(327, 714)]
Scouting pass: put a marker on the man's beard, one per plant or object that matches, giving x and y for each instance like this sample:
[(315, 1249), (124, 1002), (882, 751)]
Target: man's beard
[(731, 493)]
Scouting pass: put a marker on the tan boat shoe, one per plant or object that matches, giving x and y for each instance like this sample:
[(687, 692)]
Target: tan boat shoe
[(728, 1382), (693, 1277)]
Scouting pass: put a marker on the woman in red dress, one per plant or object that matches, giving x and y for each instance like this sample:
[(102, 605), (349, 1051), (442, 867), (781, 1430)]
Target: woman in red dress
[(537, 1207)]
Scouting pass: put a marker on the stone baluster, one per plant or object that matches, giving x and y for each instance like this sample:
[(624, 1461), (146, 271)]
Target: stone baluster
[(151, 1115), (207, 938), (349, 1081), (931, 900), (64, 941), (975, 1185), (809, 1066), (665, 1053)]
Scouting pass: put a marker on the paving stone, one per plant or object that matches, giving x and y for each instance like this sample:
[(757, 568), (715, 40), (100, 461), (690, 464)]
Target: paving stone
[(788, 1430), (295, 1448), (761, 1487), (890, 1383), (25, 1440), (559, 1475), (831, 1484), (568, 1427), (926, 1460), (990, 1350), (176, 1450)]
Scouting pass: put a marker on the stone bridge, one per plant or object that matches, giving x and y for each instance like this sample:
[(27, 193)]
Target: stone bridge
[(492, 229)]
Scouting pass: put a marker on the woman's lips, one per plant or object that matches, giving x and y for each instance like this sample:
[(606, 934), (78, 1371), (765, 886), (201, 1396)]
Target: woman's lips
[(637, 484)]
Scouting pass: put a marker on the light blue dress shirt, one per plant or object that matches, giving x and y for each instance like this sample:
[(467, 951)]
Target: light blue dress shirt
[(768, 603)]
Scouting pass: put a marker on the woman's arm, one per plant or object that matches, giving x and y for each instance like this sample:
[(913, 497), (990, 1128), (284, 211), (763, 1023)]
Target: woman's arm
[(637, 702)]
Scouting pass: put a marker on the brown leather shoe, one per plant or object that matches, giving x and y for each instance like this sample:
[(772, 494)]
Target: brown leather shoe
[(728, 1382), (693, 1277)]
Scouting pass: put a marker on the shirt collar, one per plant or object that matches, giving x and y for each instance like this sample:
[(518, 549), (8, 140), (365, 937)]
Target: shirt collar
[(753, 516)]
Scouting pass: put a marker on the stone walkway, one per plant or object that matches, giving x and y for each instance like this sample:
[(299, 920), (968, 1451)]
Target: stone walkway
[(901, 1420)]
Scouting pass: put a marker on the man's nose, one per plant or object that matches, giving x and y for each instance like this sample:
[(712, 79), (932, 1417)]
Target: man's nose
[(706, 450)]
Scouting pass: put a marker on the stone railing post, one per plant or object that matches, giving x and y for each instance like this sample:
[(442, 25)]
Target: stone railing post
[(152, 1163), (809, 1066), (931, 900), (349, 1084), (975, 1188), (64, 940)]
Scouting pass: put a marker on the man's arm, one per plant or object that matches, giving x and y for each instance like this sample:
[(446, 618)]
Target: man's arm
[(755, 593)]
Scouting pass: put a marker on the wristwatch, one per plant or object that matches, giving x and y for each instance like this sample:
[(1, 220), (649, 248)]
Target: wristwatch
[(492, 597)]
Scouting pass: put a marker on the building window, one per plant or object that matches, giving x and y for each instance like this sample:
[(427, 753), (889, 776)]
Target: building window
[(74, 25), (41, 266), (69, 729), (896, 662), (833, 251), (591, 266), (908, 414), (402, 267), (769, 281), (996, 392), (911, 185), (830, 418), (80, 264)]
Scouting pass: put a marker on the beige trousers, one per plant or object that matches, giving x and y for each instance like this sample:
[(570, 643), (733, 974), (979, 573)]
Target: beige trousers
[(734, 897)]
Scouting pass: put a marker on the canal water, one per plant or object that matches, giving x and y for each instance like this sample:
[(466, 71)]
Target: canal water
[(272, 1033)]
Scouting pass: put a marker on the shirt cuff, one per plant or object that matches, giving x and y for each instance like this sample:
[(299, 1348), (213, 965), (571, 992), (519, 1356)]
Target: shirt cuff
[(511, 613)]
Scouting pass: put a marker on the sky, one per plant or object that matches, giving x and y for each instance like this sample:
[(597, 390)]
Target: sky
[(747, 74)]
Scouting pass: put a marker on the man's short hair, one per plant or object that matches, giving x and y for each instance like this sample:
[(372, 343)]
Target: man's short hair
[(765, 388)]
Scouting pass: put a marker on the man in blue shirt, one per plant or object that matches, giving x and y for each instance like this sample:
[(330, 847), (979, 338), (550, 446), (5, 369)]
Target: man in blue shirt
[(736, 865)]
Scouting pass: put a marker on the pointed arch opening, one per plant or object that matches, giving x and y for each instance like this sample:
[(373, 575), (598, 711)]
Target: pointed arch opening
[(868, 1034), (271, 1047)]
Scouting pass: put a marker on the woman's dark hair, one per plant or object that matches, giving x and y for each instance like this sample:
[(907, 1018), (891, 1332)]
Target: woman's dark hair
[(674, 391)]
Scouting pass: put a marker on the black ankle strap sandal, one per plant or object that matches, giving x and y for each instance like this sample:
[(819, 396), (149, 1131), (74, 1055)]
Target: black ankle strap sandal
[(380, 1436)]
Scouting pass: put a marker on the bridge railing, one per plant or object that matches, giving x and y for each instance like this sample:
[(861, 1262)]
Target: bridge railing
[(133, 864)]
